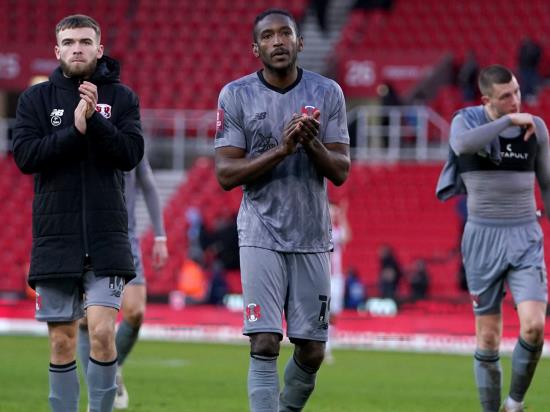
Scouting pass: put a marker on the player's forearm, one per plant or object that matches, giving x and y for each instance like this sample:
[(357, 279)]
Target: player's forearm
[(332, 163), (233, 172), (152, 201), (469, 141)]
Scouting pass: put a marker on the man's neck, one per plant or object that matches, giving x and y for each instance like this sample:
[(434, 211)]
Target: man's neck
[(490, 114), (281, 79)]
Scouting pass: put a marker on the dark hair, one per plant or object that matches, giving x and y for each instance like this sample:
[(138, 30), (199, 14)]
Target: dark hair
[(77, 21), (495, 74), (268, 12)]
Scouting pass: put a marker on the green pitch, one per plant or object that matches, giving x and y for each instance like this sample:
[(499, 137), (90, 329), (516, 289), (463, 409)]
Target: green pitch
[(192, 377)]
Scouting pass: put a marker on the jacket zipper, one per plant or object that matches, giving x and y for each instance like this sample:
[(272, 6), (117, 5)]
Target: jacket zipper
[(83, 186), (84, 226)]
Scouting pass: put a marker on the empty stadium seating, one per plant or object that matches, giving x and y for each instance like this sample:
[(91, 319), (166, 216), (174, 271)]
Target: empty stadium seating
[(493, 32)]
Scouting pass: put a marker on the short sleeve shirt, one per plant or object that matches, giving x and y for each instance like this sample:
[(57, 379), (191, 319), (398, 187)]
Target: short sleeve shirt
[(286, 209)]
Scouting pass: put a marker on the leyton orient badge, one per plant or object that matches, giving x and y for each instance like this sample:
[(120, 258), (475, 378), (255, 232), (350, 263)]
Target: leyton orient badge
[(104, 110), (253, 312)]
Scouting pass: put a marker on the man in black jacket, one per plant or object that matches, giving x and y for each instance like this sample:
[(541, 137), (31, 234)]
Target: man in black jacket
[(77, 133)]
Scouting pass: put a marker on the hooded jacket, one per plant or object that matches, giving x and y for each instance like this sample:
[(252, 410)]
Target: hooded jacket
[(79, 211)]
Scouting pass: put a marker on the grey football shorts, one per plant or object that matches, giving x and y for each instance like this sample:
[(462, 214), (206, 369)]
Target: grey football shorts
[(294, 284), (496, 255), (136, 253), (64, 300)]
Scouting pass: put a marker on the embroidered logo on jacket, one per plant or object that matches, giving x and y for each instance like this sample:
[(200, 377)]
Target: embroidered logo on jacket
[(103, 109), (55, 117)]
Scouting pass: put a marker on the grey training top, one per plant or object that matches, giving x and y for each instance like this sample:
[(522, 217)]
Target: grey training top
[(502, 194), (286, 209), (142, 178)]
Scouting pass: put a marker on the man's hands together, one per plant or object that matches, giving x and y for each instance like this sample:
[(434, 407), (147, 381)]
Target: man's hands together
[(302, 128), (86, 106)]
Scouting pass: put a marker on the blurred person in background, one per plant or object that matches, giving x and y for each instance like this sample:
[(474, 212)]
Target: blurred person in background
[(419, 280), (355, 291), (77, 133), (281, 132), (501, 153), (390, 273), (135, 293), (467, 77), (529, 57)]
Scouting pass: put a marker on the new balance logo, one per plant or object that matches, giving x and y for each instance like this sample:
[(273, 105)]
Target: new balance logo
[(55, 117)]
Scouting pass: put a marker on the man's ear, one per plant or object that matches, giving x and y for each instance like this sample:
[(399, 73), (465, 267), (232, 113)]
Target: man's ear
[(255, 49), (485, 99), (300, 43), (100, 51)]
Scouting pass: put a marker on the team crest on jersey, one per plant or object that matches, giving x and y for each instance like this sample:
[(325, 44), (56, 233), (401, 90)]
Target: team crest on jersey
[(104, 110), (253, 312), (55, 116), (308, 110)]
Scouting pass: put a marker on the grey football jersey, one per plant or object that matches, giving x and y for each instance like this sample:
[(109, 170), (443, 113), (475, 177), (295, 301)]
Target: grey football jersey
[(286, 209)]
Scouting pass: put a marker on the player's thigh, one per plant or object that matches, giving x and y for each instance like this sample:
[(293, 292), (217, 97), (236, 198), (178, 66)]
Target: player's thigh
[(485, 264), (59, 300), (264, 283), (134, 299), (138, 263), (103, 300), (527, 280), (307, 310), (101, 319)]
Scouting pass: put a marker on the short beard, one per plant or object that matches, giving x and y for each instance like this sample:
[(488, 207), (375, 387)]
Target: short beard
[(83, 73), (282, 71)]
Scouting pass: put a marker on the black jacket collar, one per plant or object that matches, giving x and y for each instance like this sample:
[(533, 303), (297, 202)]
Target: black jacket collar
[(107, 71)]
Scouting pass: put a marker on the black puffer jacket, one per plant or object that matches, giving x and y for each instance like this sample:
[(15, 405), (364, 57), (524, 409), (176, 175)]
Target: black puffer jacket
[(79, 208)]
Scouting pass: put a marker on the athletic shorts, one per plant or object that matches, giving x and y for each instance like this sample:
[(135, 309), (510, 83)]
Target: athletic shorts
[(294, 284), (136, 253), (64, 300), (496, 255)]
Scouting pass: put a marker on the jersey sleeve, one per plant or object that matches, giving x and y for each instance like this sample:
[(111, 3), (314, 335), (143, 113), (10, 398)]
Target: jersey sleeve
[(337, 124), (465, 140), (542, 167), (229, 129)]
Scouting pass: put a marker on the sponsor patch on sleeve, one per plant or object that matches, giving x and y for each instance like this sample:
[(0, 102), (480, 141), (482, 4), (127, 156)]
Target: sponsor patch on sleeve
[(219, 120)]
